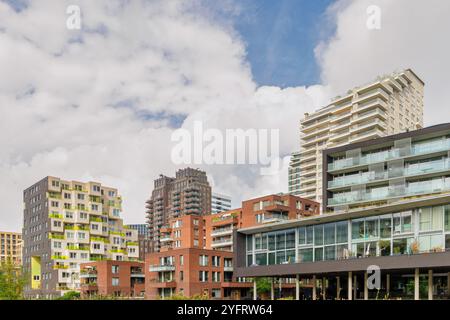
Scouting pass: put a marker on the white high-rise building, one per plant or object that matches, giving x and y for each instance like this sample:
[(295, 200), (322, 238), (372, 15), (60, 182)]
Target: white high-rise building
[(391, 104), (220, 203)]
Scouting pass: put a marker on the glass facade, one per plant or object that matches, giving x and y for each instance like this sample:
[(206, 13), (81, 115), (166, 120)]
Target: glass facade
[(421, 230)]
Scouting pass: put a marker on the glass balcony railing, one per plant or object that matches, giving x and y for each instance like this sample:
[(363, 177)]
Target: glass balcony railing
[(418, 149), (412, 170), (413, 189)]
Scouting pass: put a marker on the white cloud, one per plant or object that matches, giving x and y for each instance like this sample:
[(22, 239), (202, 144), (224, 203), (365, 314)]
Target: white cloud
[(88, 105), (92, 105), (413, 35)]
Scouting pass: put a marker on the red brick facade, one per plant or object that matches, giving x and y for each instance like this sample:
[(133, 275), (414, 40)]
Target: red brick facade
[(112, 278)]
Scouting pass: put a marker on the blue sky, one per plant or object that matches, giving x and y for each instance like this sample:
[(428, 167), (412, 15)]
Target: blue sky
[(281, 36)]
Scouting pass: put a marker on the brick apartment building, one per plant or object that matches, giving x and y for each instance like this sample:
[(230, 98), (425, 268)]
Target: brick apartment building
[(196, 256), (112, 278), (188, 193)]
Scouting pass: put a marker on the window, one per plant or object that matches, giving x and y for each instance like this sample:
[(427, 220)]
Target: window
[(329, 233), (216, 276), (216, 261), (430, 218), (385, 226), (358, 229), (305, 255), (290, 240), (447, 217), (371, 228), (181, 260), (318, 235), (261, 259), (115, 269), (181, 275), (431, 243), (341, 232), (203, 276), (115, 281), (203, 260), (216, 293)]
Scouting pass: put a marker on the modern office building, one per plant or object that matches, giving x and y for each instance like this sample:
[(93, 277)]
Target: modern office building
[(392, 104), (112, 278), (188, 193), (387, 204), (67, 223), (11, 247), (220, 203)]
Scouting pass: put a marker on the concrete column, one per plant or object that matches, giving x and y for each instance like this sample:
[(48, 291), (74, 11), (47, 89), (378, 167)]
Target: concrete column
[(416, 284), (366, 289), (297, 287), (338, 288), (314, 289), (430, 284), (324, 287), (255, 293), (349, 286), (272, 290), (388, 283), (448, 284), (355, 287)]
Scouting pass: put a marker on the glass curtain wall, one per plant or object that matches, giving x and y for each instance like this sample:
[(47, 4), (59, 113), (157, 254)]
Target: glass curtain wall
[(416, 231)]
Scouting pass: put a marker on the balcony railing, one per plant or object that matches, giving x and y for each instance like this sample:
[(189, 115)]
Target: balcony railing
[(413, 170), (418, 149), (413, 189), (161, 267)]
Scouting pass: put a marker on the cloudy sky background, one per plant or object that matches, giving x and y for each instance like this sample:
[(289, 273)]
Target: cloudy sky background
[(101, 103)]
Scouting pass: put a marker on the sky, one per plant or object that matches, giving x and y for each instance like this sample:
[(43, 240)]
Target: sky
[(102, 103)]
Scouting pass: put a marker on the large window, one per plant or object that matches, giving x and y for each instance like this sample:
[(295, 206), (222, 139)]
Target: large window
[(430, 218), (371, 228), (358, 229), (305, 255), (342, 232), (329, 233), (318, 235), (385, 235), (386, 226)]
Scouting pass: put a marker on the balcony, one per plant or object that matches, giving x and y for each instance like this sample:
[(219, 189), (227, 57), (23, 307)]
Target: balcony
[(166, 238), (415, 150), (417, 169), (163, 284), (377, 93), (274, 217), (228, 269), (222, 243), (366, 135), (221, 232), (160, 268), (86, 273), (391, 192)]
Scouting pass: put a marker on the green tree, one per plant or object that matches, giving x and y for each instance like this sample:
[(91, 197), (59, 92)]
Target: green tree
[(70, 295), (12, 281), (263, 285)]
